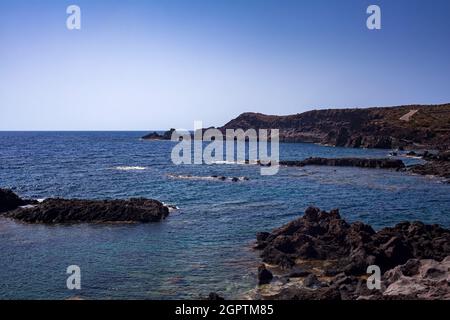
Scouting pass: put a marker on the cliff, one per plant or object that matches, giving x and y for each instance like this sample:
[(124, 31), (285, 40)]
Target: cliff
[(412, 126)]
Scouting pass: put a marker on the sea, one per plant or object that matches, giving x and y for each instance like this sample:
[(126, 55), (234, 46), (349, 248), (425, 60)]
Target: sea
[(205, 244)]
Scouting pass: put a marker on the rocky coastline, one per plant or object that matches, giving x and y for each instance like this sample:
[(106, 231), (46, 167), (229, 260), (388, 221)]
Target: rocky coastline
[(380, 127), (384, 128), (321, 256), (71, 211), (435, 165), (348, 162)]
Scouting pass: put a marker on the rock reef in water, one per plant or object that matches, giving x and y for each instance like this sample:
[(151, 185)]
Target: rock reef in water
[(52, 211), (167, 135), (348, 162), (342, 252), (209, 178)]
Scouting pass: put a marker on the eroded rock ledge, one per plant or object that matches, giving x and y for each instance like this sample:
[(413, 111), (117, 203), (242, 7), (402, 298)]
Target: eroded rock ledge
[(321, 256), (53, 211), (348, 162)]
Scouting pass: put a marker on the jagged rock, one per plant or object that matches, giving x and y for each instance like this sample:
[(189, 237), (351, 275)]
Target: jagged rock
[(264, 275), (9, 200), (424, 279), (432, 168), (320, 235), (152, 136), (402, 252), (311, 281)]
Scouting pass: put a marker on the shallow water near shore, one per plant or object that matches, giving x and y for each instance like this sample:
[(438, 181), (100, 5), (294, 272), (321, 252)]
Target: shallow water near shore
[(206, 244)]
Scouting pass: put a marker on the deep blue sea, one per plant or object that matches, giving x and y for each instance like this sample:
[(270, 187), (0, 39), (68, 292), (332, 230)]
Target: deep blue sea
[(202, 247)]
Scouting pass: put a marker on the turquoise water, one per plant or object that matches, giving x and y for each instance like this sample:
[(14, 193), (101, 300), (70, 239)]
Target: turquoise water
[(206, 244)]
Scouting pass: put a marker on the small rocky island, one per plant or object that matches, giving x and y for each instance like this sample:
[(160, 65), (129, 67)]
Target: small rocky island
[(167, 135), (55, 211), (321, 256)]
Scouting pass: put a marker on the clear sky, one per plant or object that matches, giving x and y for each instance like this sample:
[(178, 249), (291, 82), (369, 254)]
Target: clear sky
[(156, 64)]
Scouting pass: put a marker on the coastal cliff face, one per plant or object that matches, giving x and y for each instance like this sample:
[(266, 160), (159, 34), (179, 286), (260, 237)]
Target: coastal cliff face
[(348, 162), (413, 126)]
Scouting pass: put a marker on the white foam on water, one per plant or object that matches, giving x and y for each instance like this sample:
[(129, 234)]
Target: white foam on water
[(171, 207), (130, 168)]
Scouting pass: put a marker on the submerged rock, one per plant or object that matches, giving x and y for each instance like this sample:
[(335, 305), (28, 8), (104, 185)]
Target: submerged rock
[(209, 178), (52, 211)]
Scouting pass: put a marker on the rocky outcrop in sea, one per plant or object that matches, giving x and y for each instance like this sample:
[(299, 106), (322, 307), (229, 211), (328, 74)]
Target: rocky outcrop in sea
[(208, 178), (55, 211), (167, 135), (348, 162), (321, 256)]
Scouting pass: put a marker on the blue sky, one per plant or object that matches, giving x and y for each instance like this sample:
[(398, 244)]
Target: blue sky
[(139, 65)]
